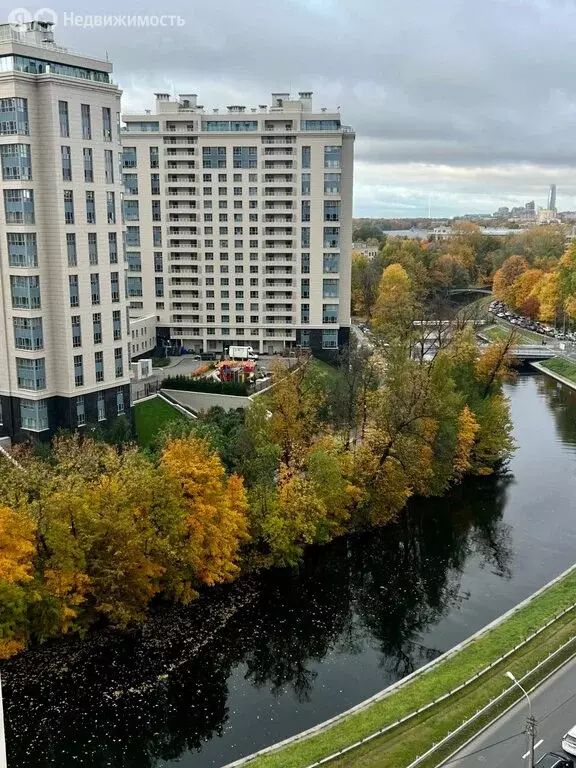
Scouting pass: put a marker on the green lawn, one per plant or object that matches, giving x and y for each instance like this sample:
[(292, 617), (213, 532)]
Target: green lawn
[(401, 745), (562, 367), (151, 416), (499, 332)]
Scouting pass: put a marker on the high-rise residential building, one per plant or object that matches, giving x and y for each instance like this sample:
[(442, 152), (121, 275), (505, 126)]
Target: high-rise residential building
[(552, 198), (63, 314), (239, 223)]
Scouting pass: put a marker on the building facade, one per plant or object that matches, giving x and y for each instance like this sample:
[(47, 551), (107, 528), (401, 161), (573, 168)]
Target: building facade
[(64, 354), (239, 223)]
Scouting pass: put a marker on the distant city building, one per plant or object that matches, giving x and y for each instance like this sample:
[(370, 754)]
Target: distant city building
[(552, 198), (547, 215), (370, 251)]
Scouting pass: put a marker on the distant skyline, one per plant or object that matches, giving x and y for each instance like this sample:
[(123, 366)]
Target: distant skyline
[(473, 103)]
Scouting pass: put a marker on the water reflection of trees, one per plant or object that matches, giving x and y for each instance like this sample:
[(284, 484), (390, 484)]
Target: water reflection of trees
[(154, 695), (561, 401)]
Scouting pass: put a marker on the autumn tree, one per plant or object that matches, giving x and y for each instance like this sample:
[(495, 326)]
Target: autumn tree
[(216, 507), (394, 310), (506, 276)]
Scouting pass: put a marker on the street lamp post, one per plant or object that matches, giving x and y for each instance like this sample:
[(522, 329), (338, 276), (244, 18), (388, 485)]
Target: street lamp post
[(530, 721)]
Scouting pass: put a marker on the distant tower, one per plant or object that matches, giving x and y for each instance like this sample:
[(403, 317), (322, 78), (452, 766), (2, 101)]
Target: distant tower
[(552, 198)]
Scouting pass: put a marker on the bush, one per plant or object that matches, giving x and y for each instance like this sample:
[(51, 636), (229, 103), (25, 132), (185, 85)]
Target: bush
[(160, 362), (205, 385)]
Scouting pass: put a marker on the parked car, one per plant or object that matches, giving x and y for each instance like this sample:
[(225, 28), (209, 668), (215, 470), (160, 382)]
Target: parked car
[(569, 741), (207, 356), (554, 760)]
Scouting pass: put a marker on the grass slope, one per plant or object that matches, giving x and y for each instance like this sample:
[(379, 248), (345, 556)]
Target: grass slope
[(562, 367), (151, 416)]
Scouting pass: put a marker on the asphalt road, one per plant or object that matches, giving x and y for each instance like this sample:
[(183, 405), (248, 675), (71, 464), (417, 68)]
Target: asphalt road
[(504, 743)]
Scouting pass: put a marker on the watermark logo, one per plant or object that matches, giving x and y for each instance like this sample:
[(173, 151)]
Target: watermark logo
[(19, 18)]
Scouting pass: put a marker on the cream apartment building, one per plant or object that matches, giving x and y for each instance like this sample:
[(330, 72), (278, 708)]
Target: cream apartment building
[(239, 223), (64, 359)]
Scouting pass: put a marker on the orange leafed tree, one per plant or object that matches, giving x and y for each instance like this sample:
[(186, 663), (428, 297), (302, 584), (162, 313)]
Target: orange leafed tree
[(217, 508), (467, 430), (505, 277)]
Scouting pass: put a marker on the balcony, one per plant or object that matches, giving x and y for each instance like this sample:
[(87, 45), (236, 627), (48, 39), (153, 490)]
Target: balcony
[(180, 178), (179, 164), (279, 178), (182, 217), (179, 294), (280, 308), (278, 218), (278, 282), (280, 192), (278, 231), (183, 230), (185, 270), (182, 243), (278, 294), (278, 140), (278, 271), (181, 192), (278, 164)]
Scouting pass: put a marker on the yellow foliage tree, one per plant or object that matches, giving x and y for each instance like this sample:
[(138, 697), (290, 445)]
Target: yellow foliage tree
[(467, 431), (523, 287), (549, 296), (395, 303), (216, 520), (505, 277)]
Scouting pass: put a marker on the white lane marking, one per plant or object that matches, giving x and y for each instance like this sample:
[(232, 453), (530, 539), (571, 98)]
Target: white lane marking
[(538, 743)]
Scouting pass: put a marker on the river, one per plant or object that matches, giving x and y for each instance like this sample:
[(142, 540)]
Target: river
[(257, 661)]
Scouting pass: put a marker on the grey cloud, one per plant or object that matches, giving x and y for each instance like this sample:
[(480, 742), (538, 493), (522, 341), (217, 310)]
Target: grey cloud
[(448, 82)]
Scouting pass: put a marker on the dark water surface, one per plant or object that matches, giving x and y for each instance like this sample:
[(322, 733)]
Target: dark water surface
[(264, 658)]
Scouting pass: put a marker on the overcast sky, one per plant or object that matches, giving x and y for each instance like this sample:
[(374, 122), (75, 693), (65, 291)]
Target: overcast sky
[(470, 105)]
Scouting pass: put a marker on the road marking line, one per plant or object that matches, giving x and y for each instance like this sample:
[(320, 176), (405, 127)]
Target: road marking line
[(538, 743)]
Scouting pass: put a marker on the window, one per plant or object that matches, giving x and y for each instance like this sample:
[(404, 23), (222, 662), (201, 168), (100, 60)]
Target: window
[(156, 211), (95, 288), (88, 165), (31, 374), (118, 363), (305, 313), (305, 263), (305, 288), (158, 262), (129, 157), (66, 163), (119, 402), (68, 206), (22, 249), (331, 183), (101, 407), (13, 116), (155, 183), (329, 313), (78, 371), (305, 237), (80, 411), (76, 331), (332, 156), (114, 287), (113, 247), (320, 125), (109, 166), (331, 237), (131, 210), (90, 208), (157, 237), (19, 206), (99, 365), (25, 291), (16, 162), (330, 288), (305, 210), (71, 249), (305, 184), (305, 157), (97, 328), (34, 414), (106, 124), (331, 210), (154, 163), (130, 183), (214, 157), (92, 249), (331, 262), (134, 286), (116, 325), (64, 119), (86, 125), (73, 290), (133, 237), (111, 207), (28, 333), (159, 285)]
